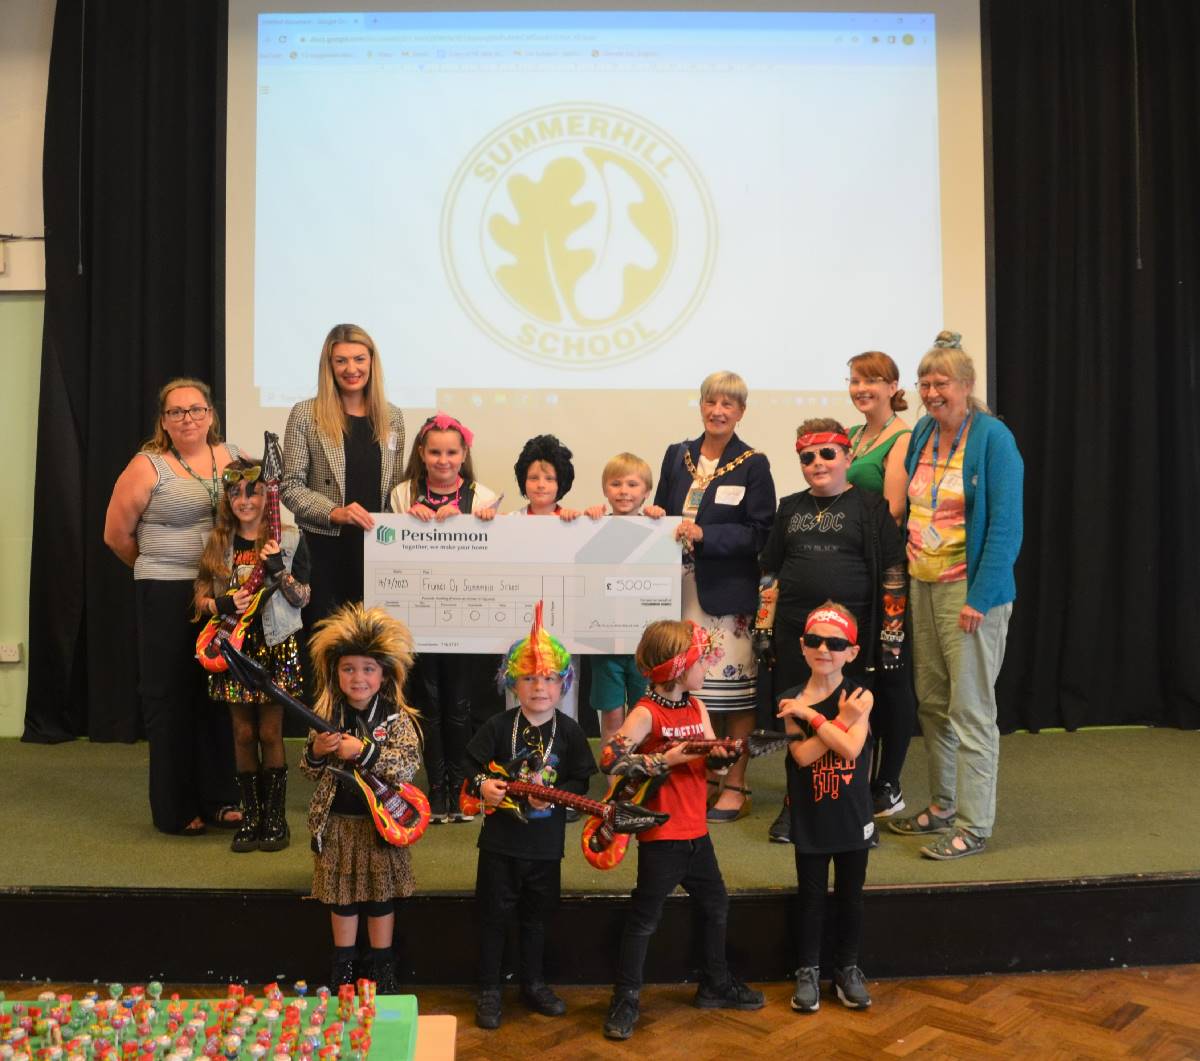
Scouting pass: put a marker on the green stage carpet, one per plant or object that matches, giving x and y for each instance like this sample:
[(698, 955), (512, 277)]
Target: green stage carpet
[(1088, 804)]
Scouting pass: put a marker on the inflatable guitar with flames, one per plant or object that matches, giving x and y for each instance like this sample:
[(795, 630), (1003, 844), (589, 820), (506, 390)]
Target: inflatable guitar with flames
[(232, 628), (400, 813)]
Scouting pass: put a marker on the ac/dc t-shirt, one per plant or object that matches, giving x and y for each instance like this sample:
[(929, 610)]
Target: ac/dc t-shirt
[(562, 759)]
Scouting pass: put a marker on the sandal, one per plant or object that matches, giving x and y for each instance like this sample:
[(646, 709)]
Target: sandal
[(227, 817), (731, 814), (922, 824), (195, 827), (714, 790), (957, 844)]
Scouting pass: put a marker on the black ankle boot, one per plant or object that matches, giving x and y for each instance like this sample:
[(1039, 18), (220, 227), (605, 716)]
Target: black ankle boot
[(275, 833), (383, 970), (249, 831), (342, 971)]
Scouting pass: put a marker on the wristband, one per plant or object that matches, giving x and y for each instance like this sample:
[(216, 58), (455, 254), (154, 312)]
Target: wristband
[(838, 724), (225, 604), (274, 563), (816, 722)]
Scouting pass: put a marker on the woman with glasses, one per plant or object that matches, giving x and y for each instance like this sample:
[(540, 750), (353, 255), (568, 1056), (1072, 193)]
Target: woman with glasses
[(833, 541), (964, 534), (724, 490), (161, 510), (878, 448), (342, 457)]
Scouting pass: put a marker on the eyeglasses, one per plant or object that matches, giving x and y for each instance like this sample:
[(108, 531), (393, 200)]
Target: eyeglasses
[(942, 386), (238, 475), (835, 644), (858, 381), (193, 412), (827, 453)]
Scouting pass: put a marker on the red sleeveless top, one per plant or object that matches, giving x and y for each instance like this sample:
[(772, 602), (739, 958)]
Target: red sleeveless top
[(682, 793)]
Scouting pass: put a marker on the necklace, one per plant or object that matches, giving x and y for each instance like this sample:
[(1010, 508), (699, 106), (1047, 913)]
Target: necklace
[(211, 489), (854, 453), (542, 750), (821, 511), (662, 701), (702, 481)]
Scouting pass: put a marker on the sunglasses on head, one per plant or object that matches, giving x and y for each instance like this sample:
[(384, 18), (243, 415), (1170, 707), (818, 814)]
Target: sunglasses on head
[(828, 453), (239, 475), (834, 644)]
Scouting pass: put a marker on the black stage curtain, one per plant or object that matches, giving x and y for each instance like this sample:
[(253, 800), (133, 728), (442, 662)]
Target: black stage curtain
[(1095, 357), (1095, 109), (132, 236)]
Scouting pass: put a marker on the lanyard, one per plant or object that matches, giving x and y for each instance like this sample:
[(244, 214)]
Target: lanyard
[(212, 490), (936, 483)]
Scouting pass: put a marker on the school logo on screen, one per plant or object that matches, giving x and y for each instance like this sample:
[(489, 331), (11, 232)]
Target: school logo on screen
[(578, 235)]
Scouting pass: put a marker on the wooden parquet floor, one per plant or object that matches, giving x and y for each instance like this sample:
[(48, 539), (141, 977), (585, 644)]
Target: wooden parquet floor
[(1143, 1013)]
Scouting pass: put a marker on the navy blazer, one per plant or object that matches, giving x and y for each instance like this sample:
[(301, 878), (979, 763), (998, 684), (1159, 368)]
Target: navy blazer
[(727, 559)]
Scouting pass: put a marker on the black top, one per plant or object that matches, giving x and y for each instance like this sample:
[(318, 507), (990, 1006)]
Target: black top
[(831, 798), (301, 565), (569, 766), (364, 465)]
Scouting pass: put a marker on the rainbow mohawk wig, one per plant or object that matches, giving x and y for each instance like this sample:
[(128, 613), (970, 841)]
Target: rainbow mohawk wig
[(539, 653)]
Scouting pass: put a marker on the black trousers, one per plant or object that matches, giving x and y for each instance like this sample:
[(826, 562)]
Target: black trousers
[(335, 578), (893, 717), (531, 887), (662, 866), (812, 883), (191, 741), (440, 688)]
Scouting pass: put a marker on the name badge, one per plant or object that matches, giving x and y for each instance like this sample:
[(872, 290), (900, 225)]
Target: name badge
[(730, 495), (391, 441), (930, 537)]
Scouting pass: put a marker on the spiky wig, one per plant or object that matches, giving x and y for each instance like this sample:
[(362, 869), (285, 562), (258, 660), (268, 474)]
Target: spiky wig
[(353, 630), (539, 653)]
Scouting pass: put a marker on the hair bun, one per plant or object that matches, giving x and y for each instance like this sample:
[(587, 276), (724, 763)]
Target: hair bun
[(949, 340)]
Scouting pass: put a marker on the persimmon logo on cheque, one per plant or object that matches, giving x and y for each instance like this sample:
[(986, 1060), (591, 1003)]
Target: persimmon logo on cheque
[(578, 235)]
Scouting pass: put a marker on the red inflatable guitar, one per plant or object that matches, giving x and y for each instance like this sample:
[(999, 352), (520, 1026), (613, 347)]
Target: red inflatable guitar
[(232, 628)]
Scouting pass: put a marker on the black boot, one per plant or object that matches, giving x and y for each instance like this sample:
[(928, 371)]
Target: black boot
[(275, 833), (249, 830), (383, 970), (342, 971)]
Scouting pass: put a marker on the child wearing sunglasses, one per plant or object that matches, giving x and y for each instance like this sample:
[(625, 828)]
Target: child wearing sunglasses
[(832, 541), (829, 796), (240, 538)]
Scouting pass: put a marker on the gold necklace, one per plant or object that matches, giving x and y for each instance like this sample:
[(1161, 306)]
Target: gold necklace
[(702, 481), (821, 511)]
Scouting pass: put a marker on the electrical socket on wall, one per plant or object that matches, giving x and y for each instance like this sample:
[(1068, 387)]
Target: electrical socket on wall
[(10, 651)]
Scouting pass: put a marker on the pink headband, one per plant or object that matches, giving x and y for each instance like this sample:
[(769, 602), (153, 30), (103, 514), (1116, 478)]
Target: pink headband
[(817, 438), (827, 615), (670, 669), (446, 422)]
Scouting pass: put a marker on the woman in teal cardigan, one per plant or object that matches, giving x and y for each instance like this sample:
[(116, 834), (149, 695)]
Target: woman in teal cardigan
[(963, 536)]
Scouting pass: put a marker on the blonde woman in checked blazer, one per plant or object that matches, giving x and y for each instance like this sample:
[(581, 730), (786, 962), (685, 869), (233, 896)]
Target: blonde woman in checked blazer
[(342, 456)]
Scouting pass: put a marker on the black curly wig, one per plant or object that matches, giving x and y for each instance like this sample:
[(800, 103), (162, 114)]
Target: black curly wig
[(546, 448)]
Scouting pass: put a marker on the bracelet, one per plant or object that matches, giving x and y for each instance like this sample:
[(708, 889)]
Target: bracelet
[(838, 724), (892, 637), (816, 722)]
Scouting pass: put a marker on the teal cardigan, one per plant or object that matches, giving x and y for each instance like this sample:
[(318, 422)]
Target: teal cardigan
[(993, 474)]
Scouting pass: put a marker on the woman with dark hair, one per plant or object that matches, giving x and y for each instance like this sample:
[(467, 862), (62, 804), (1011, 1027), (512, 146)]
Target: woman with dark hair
[(877, 452), (343, 454), (161, 510), (725, 493), (964, 534)]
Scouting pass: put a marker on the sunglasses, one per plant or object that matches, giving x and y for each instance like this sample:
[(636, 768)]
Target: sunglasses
[(834, 644), (827, 453), (240, 475)]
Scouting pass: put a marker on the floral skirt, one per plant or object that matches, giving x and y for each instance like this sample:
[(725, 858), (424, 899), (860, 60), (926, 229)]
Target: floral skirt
[(356, 866), (731, 678)]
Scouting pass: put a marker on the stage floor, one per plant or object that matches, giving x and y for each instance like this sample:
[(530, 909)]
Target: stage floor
[(1091, 804)]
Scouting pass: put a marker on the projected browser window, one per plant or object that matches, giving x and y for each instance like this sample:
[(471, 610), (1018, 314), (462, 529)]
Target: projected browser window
[(595, 200)]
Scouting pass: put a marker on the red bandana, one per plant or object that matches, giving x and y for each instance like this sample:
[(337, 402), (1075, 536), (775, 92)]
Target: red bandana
[(827, 615), (669, 670), (817, 438)]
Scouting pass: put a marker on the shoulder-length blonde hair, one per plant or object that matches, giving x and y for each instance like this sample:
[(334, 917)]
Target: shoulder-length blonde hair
[(330, 416), (159, 441), (948, 358)]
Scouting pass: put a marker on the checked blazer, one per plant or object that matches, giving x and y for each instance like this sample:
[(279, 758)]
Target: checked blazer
[(314, 467)]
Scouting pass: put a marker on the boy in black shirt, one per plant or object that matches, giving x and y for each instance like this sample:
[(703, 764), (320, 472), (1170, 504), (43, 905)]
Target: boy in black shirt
[(520, 863)]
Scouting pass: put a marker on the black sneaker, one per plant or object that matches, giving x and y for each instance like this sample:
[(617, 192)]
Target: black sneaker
[(807, 997), (734, 995), (887, 800), (623, 1013), (780, 831), (851, 987), (438, 807), (487, 1009), (539, 998)]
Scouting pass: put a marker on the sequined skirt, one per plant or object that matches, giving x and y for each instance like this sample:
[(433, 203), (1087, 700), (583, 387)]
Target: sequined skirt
[(356, 866), (282, 663)]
